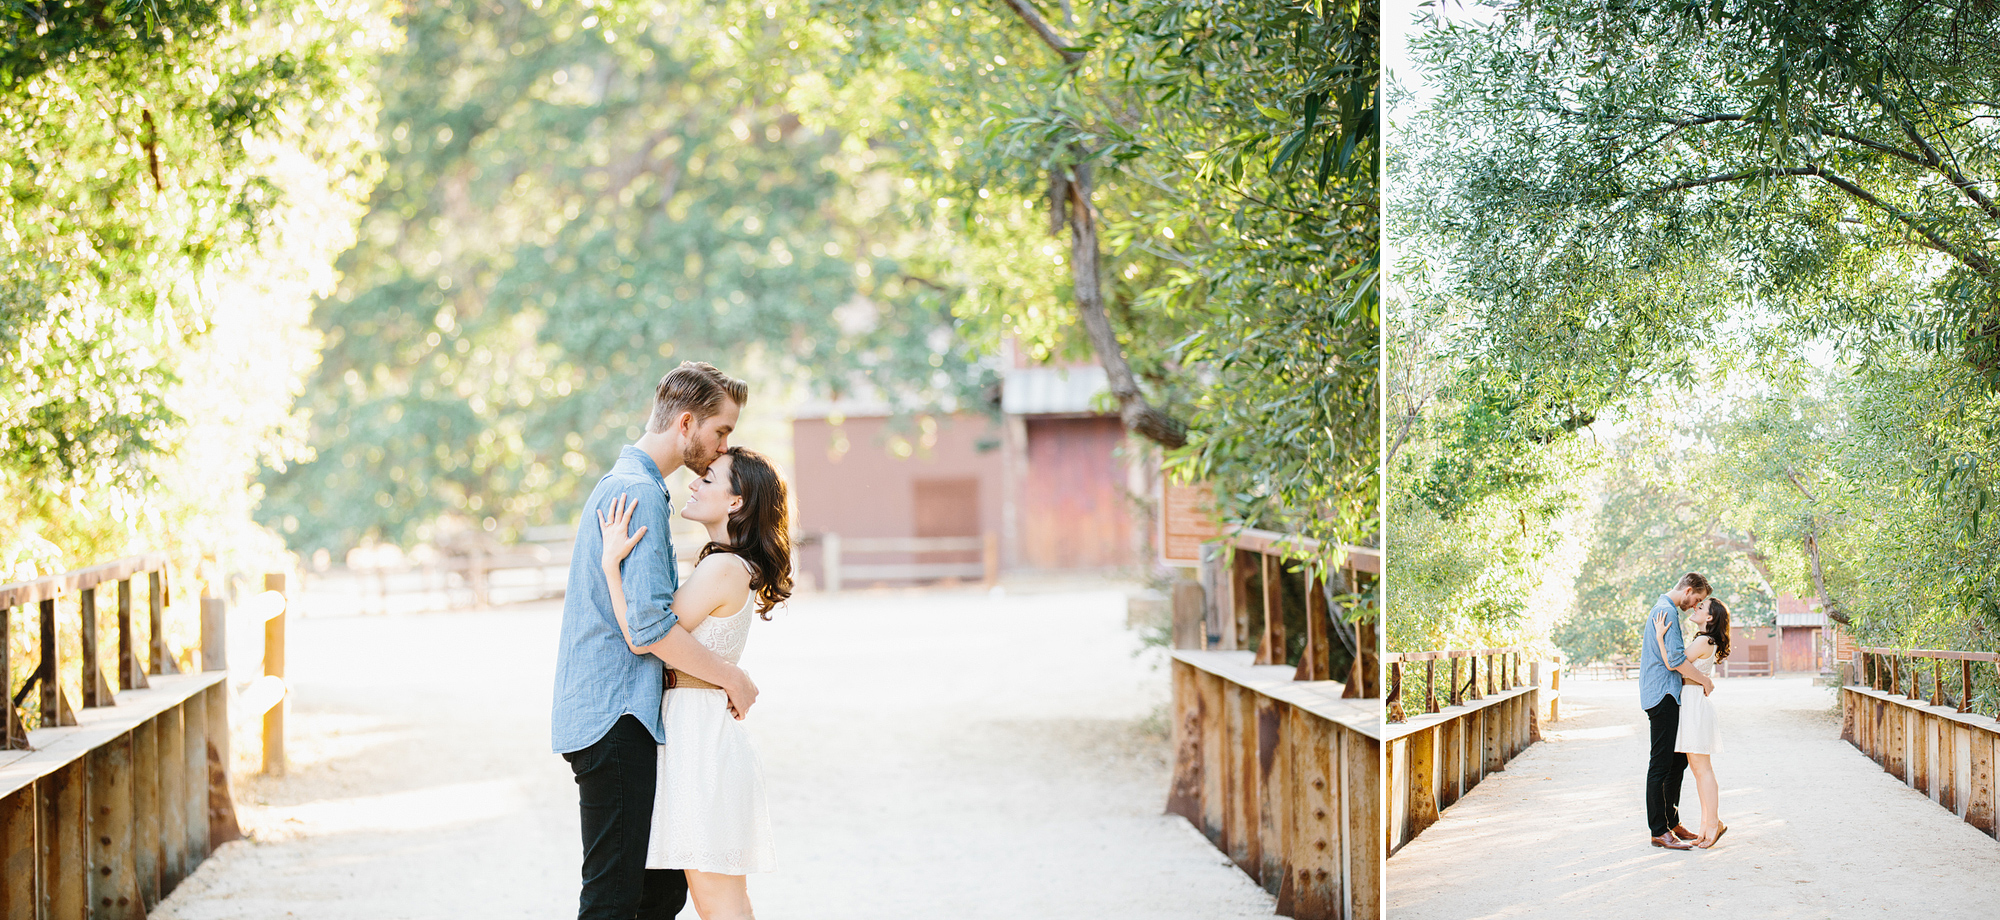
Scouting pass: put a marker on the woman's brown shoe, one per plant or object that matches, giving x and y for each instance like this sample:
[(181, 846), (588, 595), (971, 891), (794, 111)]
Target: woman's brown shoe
[(1720, 829)]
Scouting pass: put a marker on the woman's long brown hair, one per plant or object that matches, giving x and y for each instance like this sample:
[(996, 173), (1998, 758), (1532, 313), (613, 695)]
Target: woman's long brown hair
[(760, 530), (1717, 629)]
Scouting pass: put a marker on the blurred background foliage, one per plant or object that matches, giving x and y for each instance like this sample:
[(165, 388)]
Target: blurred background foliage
[(289, 277), (1694, 286)]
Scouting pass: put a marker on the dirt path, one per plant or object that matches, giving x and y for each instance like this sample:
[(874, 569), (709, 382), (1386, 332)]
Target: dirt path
[(1815, 829), (929, 754)]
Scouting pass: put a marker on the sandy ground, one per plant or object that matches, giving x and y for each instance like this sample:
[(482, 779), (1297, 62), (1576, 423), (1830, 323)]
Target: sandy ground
[(1815, 829), (948, 753)]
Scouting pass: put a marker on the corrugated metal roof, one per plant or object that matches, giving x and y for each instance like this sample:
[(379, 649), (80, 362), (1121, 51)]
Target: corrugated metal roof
[(1052, 390), (1815, 618)]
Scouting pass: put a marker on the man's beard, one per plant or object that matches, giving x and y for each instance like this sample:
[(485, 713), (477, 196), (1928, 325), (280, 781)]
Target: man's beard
[(694, 458)]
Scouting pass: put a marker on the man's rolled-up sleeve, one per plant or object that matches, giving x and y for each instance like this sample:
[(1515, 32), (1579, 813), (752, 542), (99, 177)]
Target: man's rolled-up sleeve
[(648, 574)]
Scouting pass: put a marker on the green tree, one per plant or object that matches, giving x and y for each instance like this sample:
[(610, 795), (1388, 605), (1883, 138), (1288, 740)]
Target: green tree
[(1212, 163), (576, 198), (1609, 206), (177, 175)]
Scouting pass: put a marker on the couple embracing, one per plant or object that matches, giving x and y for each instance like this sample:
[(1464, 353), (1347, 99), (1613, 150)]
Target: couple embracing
[(1676, 677), (648, 697)]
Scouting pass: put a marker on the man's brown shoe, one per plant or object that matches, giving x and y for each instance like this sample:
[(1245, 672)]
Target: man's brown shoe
[(1681, 831), (1671, 842)]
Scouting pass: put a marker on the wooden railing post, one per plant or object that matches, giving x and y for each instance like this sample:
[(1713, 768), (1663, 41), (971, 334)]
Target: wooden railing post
[(91, 685), (13, 734), (274, 666), (1272, 649), (1965, 687), (1316, 662), (131, 673), (157, 659), (1396, 691), (1454, 697), (1239, 594), (214, 634), (56, 708), (829, 554), (1190, 626), (1430, 685)]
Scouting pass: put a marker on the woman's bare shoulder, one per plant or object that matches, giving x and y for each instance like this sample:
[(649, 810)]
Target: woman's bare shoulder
[(722, 570)]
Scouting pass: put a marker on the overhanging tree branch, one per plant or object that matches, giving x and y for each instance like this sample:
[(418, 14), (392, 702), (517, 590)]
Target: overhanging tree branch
[(1971, 259), (1070, 188), (1930, 155), (1046, 32)]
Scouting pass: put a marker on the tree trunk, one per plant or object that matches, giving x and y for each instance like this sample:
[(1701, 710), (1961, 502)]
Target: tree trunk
[(1139, 416), (1069, 198), (1833, 610)]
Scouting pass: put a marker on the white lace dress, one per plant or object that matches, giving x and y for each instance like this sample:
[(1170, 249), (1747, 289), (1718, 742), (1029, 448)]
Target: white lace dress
[(1700, 731), (709, 812)]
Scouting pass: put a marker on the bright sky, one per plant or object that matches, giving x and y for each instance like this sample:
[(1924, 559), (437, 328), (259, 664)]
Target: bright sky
[(1398, 21)]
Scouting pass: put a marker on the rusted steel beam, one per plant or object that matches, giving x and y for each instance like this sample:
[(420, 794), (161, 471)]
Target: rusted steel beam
[(1184, 795), (64, 856), (222, 825), (1214, 773), (194, 776), (114, 878), (148, 833), (1315, 869), (1273, 800), (1979, 806), (172, 765)]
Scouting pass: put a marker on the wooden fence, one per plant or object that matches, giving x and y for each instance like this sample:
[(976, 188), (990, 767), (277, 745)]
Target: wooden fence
[(115, 798), (1236, 617), (839, 570), (1277, 764), (1492, 708), (1934, 742)]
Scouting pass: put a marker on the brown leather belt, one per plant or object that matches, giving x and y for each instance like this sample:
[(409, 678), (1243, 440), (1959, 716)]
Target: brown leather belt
[(682, 680)]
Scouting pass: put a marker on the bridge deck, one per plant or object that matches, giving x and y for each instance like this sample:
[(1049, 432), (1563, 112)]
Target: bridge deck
[(929, 754), (1815, 828)]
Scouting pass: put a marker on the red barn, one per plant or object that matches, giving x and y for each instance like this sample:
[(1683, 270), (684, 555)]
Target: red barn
[(1041, 485)]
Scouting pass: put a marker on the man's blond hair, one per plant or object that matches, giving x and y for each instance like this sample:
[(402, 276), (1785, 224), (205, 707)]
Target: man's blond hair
[(697, 387), (1694, 581)]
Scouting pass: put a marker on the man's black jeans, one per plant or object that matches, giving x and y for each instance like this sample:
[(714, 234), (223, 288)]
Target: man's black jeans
[(615, 782), (1666, 766)]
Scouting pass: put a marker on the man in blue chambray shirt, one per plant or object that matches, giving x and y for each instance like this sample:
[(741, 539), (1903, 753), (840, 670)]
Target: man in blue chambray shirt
[(606, 720), (1660, 681)]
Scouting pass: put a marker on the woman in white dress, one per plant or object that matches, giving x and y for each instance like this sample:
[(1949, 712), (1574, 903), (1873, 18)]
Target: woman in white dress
[(709, 812), (1700, 734)]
